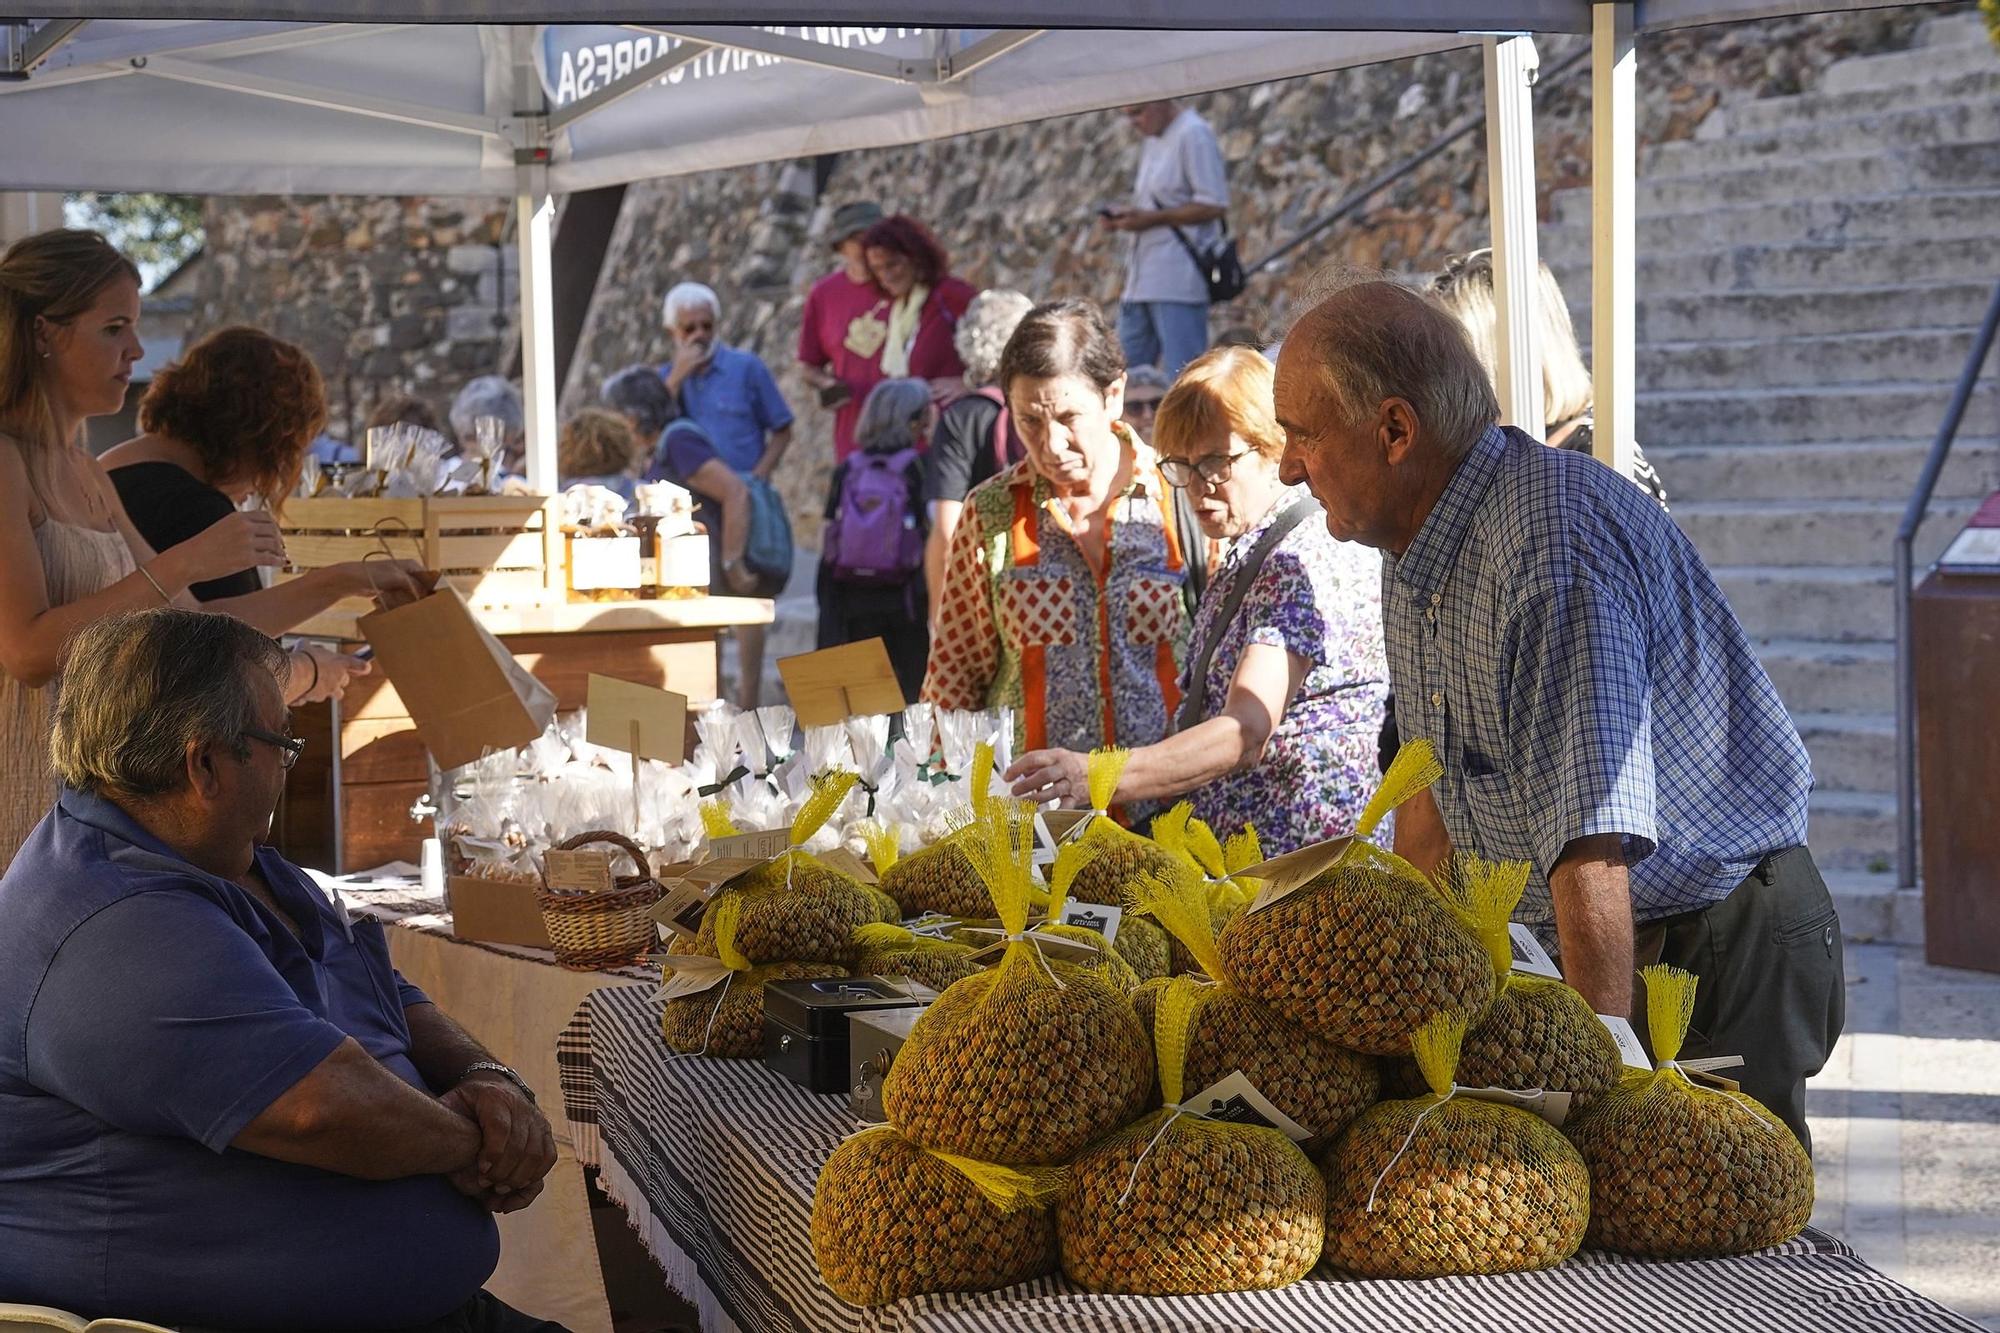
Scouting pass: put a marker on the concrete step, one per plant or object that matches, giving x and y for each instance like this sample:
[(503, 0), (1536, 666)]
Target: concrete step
[(1867, 471), (1819, 677), (1853, 752), (1884, 217), (1837, 135), (1853, 830), (1810, 415), (1822, 603), (1960, 50), (1873, 910), (1950, 166), (1775, 113), (1812, 532), (1911, 355), (1683, 316), (1965, 25), (1799, 265)]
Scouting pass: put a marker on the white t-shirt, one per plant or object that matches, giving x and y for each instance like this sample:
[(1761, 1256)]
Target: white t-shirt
[(1180, 165)]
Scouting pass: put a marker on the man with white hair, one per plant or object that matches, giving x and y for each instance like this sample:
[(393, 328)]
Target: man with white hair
[(1599, 712), (727, 391)]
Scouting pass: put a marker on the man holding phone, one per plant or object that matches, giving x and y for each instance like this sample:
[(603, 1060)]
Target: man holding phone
[(1181, 187), (842, 331)]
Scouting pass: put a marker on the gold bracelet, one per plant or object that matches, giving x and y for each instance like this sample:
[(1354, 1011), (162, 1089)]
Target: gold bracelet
[(156, 585)]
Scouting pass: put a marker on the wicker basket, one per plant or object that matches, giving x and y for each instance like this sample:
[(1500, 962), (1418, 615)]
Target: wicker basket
[(590, 931)]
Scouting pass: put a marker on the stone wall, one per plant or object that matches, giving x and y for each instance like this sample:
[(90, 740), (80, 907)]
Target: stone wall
[(388, 295), (1015, 206)]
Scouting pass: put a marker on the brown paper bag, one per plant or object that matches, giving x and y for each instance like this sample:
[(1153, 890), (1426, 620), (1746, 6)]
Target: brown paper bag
[(464, 690)]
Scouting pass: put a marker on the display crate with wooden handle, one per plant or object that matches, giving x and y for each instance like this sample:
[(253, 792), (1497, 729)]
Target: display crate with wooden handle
[(497, 550)]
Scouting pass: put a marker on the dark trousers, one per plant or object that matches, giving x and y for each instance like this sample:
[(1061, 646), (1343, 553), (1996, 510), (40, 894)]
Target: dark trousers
[(900, 617), (482, 1314), (1773, 982)]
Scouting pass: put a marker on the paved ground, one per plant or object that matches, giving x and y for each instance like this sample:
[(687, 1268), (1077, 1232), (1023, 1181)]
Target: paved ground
[(1906, 1126)]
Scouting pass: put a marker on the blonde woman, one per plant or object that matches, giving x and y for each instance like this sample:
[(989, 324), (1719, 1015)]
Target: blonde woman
[(1466, 288), (1285, 679)]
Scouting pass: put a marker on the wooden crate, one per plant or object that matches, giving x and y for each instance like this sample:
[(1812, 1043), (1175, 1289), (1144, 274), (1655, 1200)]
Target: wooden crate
[(498, 550)]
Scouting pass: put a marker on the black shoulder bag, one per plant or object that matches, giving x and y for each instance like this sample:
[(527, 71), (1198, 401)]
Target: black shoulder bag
[(1197, 696), (1221, 267)]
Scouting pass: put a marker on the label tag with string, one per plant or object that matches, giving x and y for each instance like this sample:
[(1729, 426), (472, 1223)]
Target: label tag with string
[(1630, 1050), (689, 974), (682, 908), (1550, 1106), (1235, 1100), (1703, 1071), (1530, 958), (1053, 947), (1095, 917)]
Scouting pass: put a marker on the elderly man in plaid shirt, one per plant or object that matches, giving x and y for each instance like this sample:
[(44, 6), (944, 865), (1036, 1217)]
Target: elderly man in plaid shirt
[(1598, 710)]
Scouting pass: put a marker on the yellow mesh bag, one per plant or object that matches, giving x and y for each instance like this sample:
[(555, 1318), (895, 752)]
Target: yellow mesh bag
[(795, 909), (1123, 856), (1679, 1170), (1319, 1085), (1178, 1205), (1180, 834), (1110, 965), (727, 1021), (941, 878), (1366, 951), (1023, 1063), (886, 950), (1539, 1033), (892, 1220), (1445, 1186)]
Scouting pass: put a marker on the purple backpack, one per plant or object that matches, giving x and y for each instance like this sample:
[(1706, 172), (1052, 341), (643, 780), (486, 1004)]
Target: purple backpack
[(875, 536)]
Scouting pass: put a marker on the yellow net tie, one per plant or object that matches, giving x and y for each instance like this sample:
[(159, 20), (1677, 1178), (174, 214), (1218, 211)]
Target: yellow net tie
[(1669, 1009), (1436, 1045), (1173, 1023)]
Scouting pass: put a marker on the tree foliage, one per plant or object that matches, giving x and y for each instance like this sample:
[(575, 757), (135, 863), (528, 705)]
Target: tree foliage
[(158, 232)]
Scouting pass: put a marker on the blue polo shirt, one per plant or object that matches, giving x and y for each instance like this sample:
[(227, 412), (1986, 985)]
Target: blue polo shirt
[(148, 1013), (737, 402)]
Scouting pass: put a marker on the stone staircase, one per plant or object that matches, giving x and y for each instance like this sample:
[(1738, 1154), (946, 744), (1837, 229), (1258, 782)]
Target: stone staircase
[(1812, 269)]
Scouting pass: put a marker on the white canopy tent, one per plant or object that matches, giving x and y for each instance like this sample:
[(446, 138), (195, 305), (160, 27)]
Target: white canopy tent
[(403, 96)]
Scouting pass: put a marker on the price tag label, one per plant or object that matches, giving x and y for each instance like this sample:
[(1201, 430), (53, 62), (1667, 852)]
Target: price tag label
[(1236, 1100), (681, 910), (1550, 1106), (1529, 955), (1629, 1048), (1094, 916), (686, 974), (848, 864), (751, 846), (584, 871)]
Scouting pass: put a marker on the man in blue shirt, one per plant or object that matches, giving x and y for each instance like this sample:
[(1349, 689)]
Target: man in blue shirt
[(1597, 708), (219, 1103)]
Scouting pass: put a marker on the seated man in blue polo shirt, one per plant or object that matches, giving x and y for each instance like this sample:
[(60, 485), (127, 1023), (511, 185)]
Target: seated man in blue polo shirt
[(220, 1106)]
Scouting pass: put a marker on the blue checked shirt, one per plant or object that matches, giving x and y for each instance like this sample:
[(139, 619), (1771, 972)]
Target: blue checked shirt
[(1561, 643)]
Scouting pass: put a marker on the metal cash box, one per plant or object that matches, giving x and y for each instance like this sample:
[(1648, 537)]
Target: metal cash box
[(806, 1025)]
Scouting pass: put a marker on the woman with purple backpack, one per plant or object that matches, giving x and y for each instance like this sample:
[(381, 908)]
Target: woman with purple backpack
[(871, 573)]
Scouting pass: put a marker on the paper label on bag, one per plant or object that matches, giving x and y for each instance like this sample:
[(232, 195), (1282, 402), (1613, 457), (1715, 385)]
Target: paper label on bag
[(687, 974), (1094, 916), (1054, 947), (1045, 842), (1066, 825), (751, 846), (1530, 958), (1236, 1101), (1284, 875), (1703, 1071), (682, 908), (848, 864), (587, 870), (1630, 1050), (1550, 1106)]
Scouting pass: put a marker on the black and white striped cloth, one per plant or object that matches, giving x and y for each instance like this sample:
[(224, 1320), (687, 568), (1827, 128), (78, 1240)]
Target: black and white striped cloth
[(715, 1162)]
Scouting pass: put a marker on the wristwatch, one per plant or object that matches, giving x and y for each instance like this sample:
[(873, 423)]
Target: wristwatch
[(501, 1070)]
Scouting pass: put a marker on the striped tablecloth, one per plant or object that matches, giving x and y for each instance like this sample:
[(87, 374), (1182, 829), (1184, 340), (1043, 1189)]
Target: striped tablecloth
[(714, 1162)]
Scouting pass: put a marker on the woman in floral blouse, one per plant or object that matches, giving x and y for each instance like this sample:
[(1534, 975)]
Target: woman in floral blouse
[(1289, 709), (1062, 589)]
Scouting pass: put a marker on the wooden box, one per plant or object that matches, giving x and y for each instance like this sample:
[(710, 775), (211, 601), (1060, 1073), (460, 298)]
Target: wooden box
[(498, 550)]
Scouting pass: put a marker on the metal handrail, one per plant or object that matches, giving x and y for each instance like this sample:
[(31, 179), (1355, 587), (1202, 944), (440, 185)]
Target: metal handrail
[(1355, 198), (1906, 532)]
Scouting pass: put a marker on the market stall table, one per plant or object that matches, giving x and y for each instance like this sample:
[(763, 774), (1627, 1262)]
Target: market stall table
[(714, 1161), (515, 1001), (348, 802)]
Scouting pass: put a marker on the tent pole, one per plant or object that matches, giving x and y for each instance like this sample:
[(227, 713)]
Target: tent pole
[(1613, 233), (534, 212), (1511, 63)]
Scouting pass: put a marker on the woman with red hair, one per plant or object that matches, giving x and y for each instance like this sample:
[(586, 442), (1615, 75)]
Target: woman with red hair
[(923, 304)]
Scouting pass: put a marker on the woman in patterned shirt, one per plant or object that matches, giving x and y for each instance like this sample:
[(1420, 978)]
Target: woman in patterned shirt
[(1062, 589), (1281, 723)]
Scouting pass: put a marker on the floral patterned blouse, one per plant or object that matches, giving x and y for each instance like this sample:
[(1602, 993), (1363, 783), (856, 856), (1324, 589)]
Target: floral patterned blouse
[(1319, 599), (1085, 660)]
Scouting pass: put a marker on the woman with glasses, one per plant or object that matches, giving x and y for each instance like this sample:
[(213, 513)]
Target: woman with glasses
[(1145, 386), (1063, 585), (1283, 693)]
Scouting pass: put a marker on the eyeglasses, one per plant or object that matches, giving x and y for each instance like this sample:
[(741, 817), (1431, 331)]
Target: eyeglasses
[(289, 747), (1211, 468), (1145, 405)]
